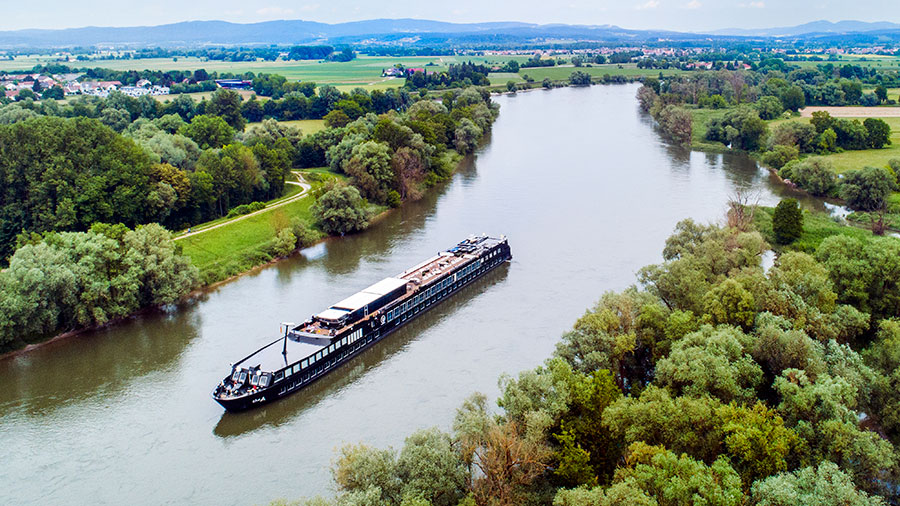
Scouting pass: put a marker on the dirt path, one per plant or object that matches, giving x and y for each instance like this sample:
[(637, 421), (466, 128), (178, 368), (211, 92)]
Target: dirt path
[(300, 182), (854, 112)]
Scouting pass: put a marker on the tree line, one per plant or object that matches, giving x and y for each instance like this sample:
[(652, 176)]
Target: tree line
[(712, 381)]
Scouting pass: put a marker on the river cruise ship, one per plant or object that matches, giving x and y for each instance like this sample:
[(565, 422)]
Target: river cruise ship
[(326, 340)]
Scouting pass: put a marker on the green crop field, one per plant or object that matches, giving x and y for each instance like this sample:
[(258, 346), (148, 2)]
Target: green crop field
[(868, 61), (364, 71), (563, 72)]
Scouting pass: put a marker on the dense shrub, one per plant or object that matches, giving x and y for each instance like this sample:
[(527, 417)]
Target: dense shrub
[(787, 222)]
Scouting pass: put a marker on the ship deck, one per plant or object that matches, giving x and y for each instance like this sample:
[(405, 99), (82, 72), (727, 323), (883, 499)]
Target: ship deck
[(270, 359)]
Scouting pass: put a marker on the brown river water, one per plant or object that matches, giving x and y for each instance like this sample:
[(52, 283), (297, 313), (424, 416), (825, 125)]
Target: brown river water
[(582, 184)]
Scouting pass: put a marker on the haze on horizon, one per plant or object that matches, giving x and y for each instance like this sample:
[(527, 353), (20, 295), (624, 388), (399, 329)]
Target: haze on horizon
[(679, 15)]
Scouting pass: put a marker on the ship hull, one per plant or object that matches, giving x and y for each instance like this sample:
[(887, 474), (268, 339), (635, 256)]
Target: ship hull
[(372, 332)]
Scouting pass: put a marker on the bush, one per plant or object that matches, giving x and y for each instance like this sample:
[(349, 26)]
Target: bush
[(815, 175), (769, 107), (713, 102), (341, 210), (741, 128), (284, 243), (676, 122), (787, 222), (780, 156), (868, 189)]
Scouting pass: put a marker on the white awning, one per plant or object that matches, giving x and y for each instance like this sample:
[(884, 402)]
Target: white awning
[(386, 286), (332, 314), (356, 301)]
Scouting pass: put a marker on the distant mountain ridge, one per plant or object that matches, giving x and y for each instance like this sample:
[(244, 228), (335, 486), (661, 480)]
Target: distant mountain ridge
[(198, 33), (815, 27)]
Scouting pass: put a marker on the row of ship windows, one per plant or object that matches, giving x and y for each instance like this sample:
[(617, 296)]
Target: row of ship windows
[(391, 315), (303, 364)]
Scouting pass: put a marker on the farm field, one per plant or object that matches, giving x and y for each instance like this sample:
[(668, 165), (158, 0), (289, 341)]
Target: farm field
[(563, 72), (364, 71), (854, 112)]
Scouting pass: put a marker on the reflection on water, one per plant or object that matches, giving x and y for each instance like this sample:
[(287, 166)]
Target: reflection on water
[(277, 413), (579, 180)]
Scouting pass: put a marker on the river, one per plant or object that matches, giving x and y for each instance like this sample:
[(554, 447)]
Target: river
[(582, 184)]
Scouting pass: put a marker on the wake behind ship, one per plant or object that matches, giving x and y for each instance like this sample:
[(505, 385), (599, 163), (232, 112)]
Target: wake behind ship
[(319, 345)]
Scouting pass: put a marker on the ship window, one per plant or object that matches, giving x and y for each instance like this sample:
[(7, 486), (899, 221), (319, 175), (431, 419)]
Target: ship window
[(278, 377), (325, 352), (296, 368), (312, 360), (243, 377), (264, 381), (304, 363), (237, 373), (254, 380)]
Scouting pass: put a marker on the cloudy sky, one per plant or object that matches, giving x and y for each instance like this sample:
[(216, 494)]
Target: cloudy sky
[(687, 15)]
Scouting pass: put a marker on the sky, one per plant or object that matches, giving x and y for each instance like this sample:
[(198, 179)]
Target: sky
[(681, 15)]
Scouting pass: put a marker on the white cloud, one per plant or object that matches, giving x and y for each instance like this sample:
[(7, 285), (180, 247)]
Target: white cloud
[(274, 11), (651, 4), (693, 4)]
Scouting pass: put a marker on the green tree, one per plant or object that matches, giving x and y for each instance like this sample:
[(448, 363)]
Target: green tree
[(370, 167), (822, 485), (685, 424), (815, 175), (714, 362), (867, 189), (208, 131), (878, 133), (226, 104), (341, 210), (672, 479), (757, 440), (787, 222), (881, 93), (769, 107), (793, 98)]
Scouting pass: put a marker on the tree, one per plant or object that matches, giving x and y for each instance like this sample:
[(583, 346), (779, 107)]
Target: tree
[(822, 485), (676, 122), (671, 479), (867, 189), (865, 273), (370, 167), (336, 118), (881, 93), (879, 133), (684, 424), (341, 210), (226, 104), (502, 460), (815, 175), (757, 440), (793, 98), (787, 222), (579, 78), (714, 362), (208, 131), (769, 107)]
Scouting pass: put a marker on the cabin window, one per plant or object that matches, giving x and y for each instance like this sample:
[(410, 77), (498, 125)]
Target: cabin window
[(304, 363), (296, 368), (237, 373), (278, 377), (254, 380), (243, 377), (325, 352), (264, 381)]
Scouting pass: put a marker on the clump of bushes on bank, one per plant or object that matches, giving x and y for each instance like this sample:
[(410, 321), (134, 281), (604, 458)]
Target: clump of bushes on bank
[(64, 281)]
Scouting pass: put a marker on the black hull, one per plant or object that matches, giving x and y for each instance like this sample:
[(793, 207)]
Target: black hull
[(371, 336)]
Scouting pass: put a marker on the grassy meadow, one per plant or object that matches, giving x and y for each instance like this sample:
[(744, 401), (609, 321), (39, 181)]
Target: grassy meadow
[(239, 246)]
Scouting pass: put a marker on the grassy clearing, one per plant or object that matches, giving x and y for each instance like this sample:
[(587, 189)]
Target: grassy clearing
[(816, 228), (238, 247), (698, 134), (289, 191)]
